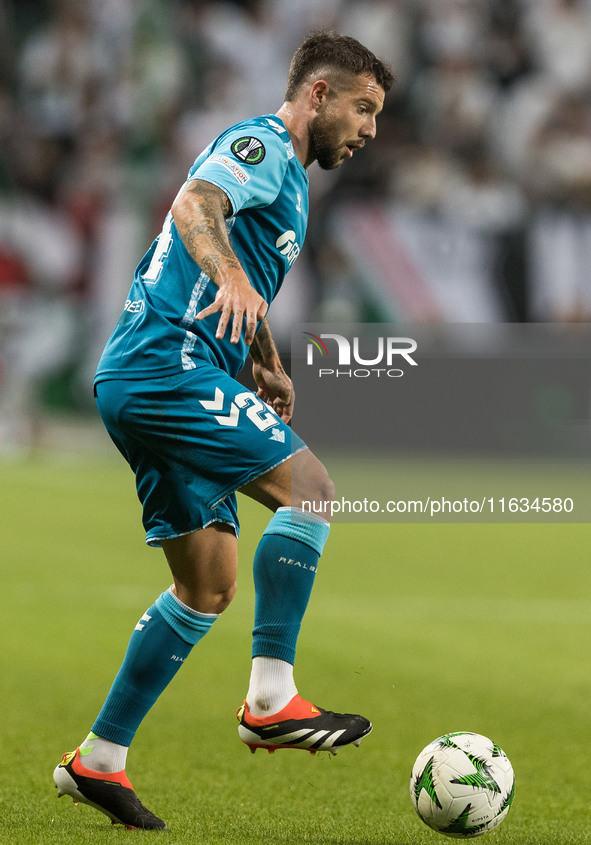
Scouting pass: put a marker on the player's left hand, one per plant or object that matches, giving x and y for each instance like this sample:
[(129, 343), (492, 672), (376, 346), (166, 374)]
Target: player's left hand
[(276, 389)]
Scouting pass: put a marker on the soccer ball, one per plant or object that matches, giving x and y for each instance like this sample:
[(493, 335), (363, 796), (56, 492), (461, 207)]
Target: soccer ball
[(462, 785)]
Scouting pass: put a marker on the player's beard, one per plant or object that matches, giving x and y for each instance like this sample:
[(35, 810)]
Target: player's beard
[(322, 132)]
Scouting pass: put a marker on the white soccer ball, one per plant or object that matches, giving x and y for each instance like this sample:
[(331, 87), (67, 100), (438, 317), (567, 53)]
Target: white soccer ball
[(462, 785)]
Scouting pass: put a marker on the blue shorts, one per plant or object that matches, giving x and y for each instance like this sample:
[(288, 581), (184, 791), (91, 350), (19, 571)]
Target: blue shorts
[(192, 440)]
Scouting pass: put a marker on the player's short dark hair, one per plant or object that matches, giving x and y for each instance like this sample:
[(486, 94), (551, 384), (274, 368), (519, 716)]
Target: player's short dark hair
[(331, 51)]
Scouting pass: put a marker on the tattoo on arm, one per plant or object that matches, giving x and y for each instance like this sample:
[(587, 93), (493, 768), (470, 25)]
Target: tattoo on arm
[(203, 229), (263, 350)]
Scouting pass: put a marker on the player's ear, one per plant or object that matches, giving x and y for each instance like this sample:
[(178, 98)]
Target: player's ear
[(319, 93)]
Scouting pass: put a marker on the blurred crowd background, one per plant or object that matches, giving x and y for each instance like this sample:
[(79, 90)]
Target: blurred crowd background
[(472, 205)]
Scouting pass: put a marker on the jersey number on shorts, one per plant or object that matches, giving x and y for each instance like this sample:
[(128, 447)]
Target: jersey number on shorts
[(257, 411), (163, 245)]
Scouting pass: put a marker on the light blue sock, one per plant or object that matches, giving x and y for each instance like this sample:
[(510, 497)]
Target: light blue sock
[(159, 645), (284, 569)]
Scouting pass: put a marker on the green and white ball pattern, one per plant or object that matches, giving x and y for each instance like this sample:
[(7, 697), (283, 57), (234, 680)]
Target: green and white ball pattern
[(462, 785)]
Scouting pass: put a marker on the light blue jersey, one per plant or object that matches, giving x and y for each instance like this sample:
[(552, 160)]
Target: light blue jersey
[(157, 335)]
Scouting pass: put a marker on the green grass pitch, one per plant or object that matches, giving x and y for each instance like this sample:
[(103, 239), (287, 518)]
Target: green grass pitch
[(423, 628)]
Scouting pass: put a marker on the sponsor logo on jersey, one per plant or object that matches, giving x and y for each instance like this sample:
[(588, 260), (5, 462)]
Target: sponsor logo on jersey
[(237, 172), (288, 246), (134, 306), (248, 149), (277, 435)]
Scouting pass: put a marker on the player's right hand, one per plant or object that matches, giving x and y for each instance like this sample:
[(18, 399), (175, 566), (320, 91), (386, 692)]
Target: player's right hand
[(275, 388), (237, 303)]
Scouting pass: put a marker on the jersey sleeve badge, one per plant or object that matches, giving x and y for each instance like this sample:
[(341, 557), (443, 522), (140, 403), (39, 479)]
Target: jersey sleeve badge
[(248, 149)]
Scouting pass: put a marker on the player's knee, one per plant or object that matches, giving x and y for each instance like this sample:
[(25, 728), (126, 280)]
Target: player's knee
[(319, 494), (222, 600), (218, 601), (325, 489), (207, 599), (312, 486)]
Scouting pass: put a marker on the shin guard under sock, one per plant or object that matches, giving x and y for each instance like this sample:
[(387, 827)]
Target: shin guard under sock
[(159, 645), (284, 570)]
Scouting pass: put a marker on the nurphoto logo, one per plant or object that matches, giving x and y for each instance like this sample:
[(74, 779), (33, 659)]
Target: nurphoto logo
[(376, 360)]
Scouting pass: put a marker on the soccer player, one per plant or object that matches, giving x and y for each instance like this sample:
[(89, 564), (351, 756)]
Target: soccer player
[(166, 390)]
